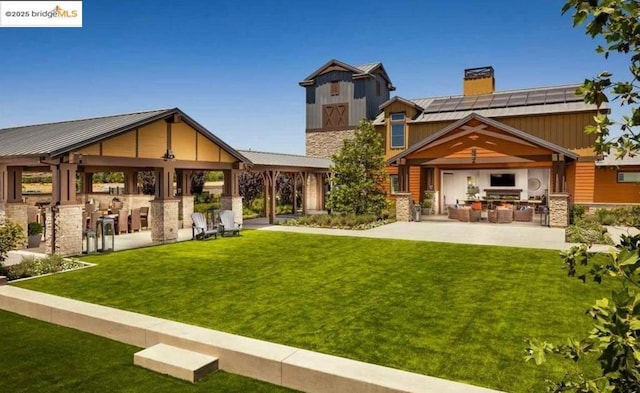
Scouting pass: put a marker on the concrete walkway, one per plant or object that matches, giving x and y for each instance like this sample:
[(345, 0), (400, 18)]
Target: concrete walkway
[(527, 236)]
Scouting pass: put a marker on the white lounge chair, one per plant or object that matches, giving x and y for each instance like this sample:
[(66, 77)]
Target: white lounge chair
[(228, 224), (200, 229)]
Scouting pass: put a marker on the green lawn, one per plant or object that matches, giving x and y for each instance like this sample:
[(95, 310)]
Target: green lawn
[(40, 357), (447, 310)]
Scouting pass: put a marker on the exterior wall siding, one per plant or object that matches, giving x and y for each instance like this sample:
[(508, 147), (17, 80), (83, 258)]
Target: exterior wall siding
[(415, 186), (608, 190), (565, 129), (351, 92), (583, 182)]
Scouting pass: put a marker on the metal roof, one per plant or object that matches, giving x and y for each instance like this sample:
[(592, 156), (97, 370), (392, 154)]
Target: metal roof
[(541, 100), (501, 126), (367, 68), (285, 160), (49, 138), (58, 138)]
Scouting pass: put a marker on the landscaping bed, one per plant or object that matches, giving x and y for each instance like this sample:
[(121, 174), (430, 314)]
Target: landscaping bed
[(454, 311)]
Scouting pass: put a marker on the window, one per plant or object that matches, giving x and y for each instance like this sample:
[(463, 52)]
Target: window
[(335, 88), (334, 116), (628, 177), (397, 130), (378, 88), (393, 181)]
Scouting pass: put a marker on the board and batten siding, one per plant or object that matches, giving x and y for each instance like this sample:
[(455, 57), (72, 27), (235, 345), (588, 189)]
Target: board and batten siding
[(583, 181), (352, 92), (564, 129)]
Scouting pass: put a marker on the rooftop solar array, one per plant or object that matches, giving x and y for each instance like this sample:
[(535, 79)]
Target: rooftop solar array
[(554, 95)]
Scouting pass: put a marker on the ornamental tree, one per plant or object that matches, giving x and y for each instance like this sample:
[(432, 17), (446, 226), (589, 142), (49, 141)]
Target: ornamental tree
[(11, 236), (614, 338), (358, 173)]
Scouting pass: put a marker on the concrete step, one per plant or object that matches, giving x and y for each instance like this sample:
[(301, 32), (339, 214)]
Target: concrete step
[(177, 362)]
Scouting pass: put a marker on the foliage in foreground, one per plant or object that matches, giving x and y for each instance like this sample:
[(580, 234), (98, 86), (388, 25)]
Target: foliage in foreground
[(358, 173), (616, 325), (11, 237), (31, 266)]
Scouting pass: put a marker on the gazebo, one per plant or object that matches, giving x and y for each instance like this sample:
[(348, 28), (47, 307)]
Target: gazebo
[(167, 142)]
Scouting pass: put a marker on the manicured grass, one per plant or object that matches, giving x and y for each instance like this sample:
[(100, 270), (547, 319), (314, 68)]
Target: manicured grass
[(453, 311), (40, 357)]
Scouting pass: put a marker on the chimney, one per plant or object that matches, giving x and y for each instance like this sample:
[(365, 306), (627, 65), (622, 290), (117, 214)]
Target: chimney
[(478, 81)]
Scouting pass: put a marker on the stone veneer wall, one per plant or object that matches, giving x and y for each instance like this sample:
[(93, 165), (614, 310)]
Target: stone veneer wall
[(67, 239), (234, 204), (164, 216), (326, 143), (403, 206), (17, 212), (558, 210), (187, 211)]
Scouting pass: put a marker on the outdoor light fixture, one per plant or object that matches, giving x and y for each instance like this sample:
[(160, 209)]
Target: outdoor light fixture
[(473, 155), (169, 155)]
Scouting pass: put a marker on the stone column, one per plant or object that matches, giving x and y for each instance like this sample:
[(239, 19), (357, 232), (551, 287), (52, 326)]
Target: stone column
[(559, 210), (64, 230), (164, 219), (187, 210), (403, 206), (233, 203), (17, 212)]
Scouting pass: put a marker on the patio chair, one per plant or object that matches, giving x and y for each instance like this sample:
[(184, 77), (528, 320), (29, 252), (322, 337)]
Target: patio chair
[(135, 224), (123, 221), (103, 206), (467, 214), (525, 214), (144, 217), (492, 216), (505, 215), (228, 223), (453, 212), (200, 230)]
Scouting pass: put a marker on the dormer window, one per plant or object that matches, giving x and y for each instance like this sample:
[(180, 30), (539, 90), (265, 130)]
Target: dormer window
[(397, 130), (335, 88)]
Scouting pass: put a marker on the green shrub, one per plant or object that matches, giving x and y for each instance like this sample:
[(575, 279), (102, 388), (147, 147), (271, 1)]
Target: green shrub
[(257, 205), (11, 237), (341, 221), (34, 228), (589, 232), (576, 213), (31, 266)]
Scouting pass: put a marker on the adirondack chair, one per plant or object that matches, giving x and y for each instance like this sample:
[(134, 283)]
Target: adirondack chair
[(200, 230), (228, 224)]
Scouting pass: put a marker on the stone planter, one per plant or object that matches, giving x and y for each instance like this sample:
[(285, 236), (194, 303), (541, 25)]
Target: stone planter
[(33, 241)]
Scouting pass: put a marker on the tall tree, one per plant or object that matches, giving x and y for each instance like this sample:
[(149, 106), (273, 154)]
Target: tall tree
[(358, 173), (251, 186), (615, 337)]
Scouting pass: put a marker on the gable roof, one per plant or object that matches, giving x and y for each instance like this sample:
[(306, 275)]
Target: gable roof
[(58, 138), (359, 71), (501, 126), (402, 100), (285, 160), (539, 100)]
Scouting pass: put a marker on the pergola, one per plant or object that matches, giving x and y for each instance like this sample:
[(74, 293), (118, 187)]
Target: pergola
[(310, 172), (167, 142)]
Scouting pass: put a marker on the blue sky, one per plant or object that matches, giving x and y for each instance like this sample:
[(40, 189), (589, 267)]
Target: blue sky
[(235, 66)]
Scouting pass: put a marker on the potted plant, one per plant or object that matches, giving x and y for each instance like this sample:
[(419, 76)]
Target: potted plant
[(34, 230), (427, 203)]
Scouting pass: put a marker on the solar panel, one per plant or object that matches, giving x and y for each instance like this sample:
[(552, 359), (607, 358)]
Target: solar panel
[(535, 99), (435, 105), (450, 105), (483, 102), (467, 103), (518, 99), (500, 101)]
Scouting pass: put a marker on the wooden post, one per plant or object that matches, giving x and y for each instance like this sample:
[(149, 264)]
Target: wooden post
[(4, 178), (274, 177), (87, 183), (63, 187), (303, 177), (164, 183), (131, 182), (14, 184), (295, 193)]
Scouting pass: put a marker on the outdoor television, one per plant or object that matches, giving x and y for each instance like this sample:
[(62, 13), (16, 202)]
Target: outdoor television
[(503, 180)]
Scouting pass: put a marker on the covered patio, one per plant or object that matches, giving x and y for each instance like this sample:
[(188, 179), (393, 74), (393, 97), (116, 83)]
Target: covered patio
[(482, 165), (166, 142)]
